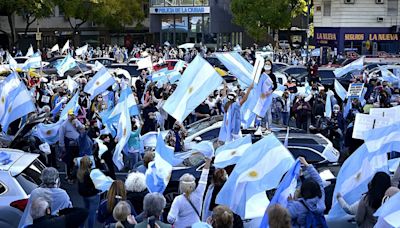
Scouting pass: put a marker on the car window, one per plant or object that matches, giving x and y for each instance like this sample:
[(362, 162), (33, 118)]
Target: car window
[(308, 154), (131, 69), (55, 63), (3, 188), (29, 179), (210, 135), (326, 74), (295, 70)]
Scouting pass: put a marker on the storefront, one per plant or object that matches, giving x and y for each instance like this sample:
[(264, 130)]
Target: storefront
[(366, 41)]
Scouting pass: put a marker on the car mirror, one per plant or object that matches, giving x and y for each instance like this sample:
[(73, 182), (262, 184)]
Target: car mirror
[(198, 139)]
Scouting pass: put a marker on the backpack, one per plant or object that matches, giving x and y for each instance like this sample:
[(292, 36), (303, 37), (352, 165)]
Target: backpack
[(313, 219)]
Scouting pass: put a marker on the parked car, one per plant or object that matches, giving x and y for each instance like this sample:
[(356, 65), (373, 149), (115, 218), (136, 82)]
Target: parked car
[(132, 69), (105, 61), (19, 177), (293, 71), (50, 69), (169, 63), (277, 66)]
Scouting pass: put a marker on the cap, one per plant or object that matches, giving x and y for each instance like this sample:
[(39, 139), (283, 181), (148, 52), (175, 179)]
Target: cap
[(70, 112)]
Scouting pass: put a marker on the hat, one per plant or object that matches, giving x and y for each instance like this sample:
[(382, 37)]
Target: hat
[(70, 112)]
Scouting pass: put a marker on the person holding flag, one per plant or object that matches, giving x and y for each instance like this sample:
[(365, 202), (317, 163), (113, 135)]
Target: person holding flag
[(231, 122)]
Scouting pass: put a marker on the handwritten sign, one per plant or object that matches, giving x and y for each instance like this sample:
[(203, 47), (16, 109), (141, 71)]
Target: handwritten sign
[(355, 90), (364, 123)]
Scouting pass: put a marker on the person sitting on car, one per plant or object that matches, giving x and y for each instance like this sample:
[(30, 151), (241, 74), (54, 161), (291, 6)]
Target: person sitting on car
[(50, 187), (43, 218), (176, 137), (186, 208)]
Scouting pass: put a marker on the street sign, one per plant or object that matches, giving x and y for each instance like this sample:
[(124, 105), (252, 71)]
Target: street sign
[(38, 36)]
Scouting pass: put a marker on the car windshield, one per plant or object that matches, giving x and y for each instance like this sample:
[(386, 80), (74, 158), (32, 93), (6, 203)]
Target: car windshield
[(29, 179), (200, 125)]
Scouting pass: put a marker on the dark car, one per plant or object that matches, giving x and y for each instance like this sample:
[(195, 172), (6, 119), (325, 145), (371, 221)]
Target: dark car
[(132, 69), (214, 61), (293, 71), (105, 61), (51, 68)]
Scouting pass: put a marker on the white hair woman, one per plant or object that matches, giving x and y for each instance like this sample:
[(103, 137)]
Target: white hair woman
[(136, 190), (185, 209), (123, 215)]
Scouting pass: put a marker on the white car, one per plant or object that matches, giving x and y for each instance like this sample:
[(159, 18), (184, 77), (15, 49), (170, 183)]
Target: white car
[(19, 175)]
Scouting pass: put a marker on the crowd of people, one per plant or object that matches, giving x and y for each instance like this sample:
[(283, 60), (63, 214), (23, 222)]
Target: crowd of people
[(83, 136)]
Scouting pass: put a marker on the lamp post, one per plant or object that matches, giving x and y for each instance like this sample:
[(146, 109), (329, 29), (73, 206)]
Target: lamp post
[(308, 27)]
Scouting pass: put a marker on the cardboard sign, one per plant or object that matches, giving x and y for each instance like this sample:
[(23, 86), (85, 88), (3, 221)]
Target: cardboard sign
[(393, 112), (364, 123), (355, 90), (258, 66)]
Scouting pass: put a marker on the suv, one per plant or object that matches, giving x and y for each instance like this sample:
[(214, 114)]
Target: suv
[(19, 177)]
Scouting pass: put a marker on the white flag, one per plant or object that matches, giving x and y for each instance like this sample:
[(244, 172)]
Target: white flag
[(145, 63), (66, 47), (30, 52), (71, 84), (82, 50), (55, 48)]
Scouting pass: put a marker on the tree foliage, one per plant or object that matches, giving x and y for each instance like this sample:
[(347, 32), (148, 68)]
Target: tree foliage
[(257, 15)]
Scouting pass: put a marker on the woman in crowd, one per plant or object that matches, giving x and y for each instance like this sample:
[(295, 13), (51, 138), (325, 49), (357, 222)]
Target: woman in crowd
[(136, 189), (86, 189), (122, 214), (222, 217), (279, 217), (153, 206), (185, 209)]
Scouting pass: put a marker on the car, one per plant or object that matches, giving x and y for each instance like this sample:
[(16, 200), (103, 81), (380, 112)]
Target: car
[(50, 69), (105, 61), (214, 61), (20, 176), (132, 69), (169, 63), (293, 71), (276, 66)]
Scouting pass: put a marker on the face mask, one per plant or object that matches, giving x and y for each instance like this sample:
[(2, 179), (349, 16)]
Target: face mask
[(99, 99), (267, 67)]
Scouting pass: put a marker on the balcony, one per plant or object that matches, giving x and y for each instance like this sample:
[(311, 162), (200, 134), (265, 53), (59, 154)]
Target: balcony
[(167, 3)]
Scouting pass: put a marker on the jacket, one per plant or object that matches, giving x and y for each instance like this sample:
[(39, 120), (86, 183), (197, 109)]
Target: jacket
[(69, 217), (159, 223), (86, 188), (365, 214)]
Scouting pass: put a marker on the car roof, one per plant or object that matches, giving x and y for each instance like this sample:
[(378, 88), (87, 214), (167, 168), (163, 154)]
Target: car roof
[(19, 161), (326, 69)]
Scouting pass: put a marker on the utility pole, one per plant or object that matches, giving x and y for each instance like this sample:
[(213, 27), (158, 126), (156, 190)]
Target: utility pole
[(38, 34), (308, 27)]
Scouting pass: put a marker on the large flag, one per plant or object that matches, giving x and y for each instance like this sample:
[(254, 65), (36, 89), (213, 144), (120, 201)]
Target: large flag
[(231, 152), (126, 94), (159, 171), (204, 147), (55, 48), (262, 102), (340, 90), (260, 168), (238, 66), (30, 52), (82, 50), (198, 81), (389, 213), (99, 83), (286, 187), (18, 104), (65, 47), (8, 89), (123, 134), (388, 76), (356, 172), (355, 65), (71, 105), (35, 61), (66, 64), (48, 132)]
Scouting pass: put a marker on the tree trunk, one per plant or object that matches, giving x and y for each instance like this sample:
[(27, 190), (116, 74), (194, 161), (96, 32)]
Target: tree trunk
[(28, 23), (12, 29)]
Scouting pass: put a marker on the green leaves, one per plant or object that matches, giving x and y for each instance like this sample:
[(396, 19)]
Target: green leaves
[(257, 15)]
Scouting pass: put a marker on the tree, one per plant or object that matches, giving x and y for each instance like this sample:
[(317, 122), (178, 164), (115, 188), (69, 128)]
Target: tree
[(256, 16), (8, 8), (111, 13)]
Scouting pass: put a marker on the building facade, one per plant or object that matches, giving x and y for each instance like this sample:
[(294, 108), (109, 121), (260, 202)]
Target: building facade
[(364, 26)]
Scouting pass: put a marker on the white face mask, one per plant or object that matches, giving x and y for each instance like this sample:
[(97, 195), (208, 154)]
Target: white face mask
[(267, 67)]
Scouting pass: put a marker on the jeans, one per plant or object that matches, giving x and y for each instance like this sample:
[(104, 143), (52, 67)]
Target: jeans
[(285, 118), (91, 204), (131, 159), (267, 120)]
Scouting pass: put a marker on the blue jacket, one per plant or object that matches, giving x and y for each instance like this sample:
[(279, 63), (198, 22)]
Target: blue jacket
[(296, 208)]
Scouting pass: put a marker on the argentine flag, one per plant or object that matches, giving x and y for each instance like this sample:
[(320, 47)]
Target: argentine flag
[(82, 50), (8, 88), (197, 82), (35, 61), (99, 83), (389, 213), (355, 65), (48, 132), (126, 94), (286, 188), (18, 104), (238, 66), (260, 168), (262, 103), (340, 90), (29, 53), (71, 105), (230, 153), (159, 171), (11, 61), (123, 133), (66, 64)]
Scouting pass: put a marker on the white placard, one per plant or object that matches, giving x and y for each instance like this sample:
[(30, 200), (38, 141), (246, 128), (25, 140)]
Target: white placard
[(258, 66), (386, 112), (355, 90), (45, 99), (364, 123)]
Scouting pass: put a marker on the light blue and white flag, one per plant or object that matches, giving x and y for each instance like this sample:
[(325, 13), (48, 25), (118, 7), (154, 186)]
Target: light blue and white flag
[(126, 94), (82, 50), (8, 89), (11, 62), (328, 105), (389, 213), (263, 103), (388, 76), (286, 142), (35, 61), (65, 47), (18, 104), (286, 188), (123, 133), (173, 76), (71, 84), (99, 83), (58, 106), (355, 65), (48, 132), (230, 153), (354, 176), (66, 64), (100, 180), (30, 51), (238, 66), (198, 81), (71, 105), (260, 168), (159, 171), (340, 91), (386, 139), (179, 65), (204, 147)]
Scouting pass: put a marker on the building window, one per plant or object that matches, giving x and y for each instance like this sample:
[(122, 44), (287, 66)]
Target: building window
[(327, 8), (392, 7)]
